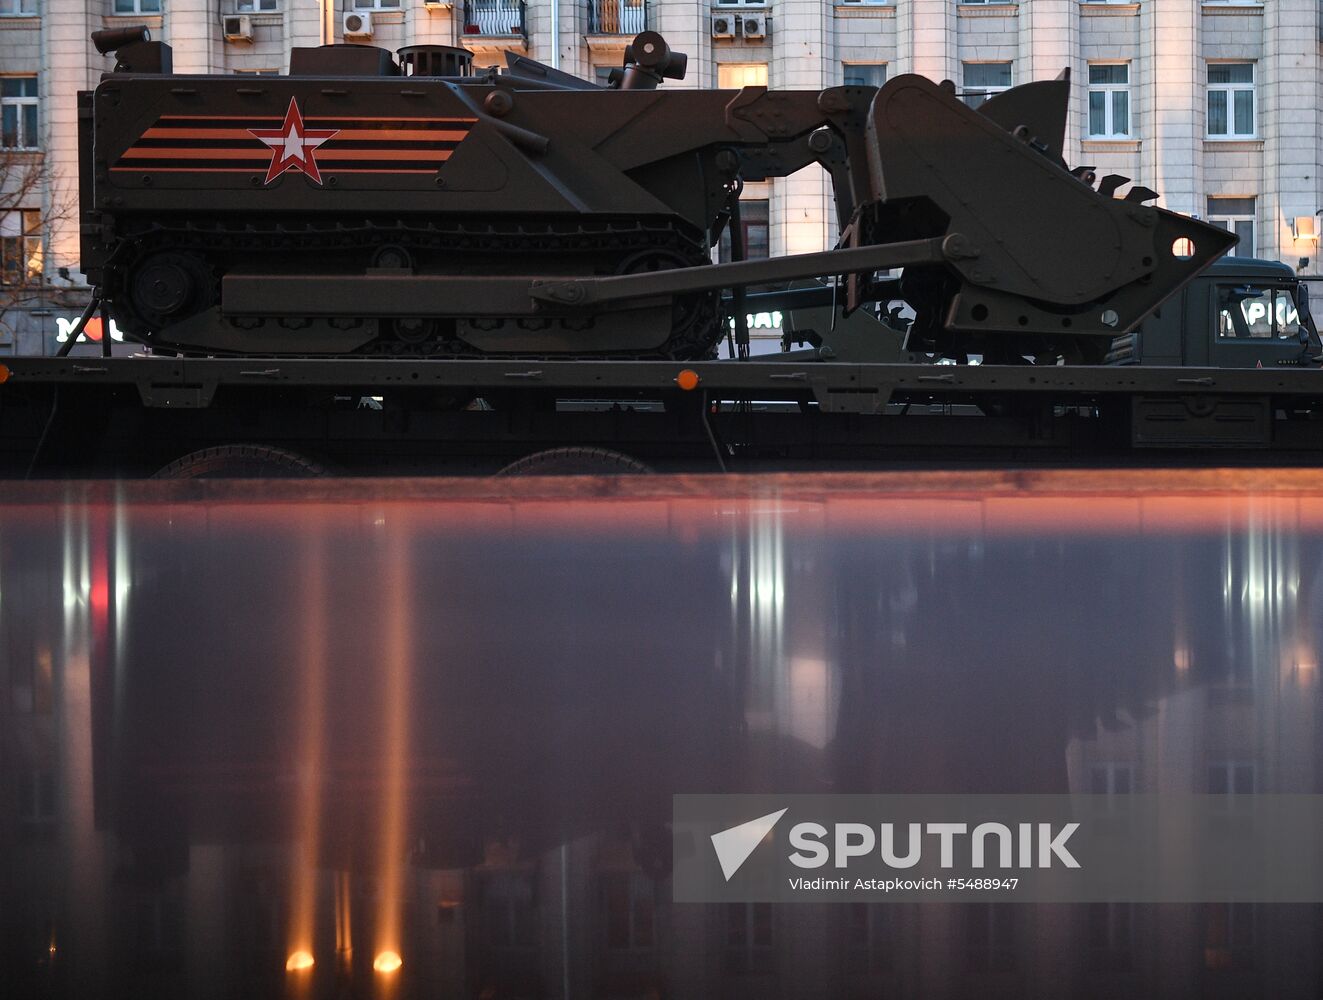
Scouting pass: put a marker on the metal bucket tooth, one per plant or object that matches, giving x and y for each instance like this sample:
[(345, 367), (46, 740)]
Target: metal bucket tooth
[(1139, 193), (1109, 184)]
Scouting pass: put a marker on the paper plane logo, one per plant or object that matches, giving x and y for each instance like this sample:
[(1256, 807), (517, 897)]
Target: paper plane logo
[(734, 845)]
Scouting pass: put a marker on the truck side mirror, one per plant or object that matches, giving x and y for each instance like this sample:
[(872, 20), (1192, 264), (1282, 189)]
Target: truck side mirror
[(1304, 320)]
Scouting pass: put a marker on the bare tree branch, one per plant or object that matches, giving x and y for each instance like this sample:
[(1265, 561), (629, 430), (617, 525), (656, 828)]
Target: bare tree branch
[(28, 184)]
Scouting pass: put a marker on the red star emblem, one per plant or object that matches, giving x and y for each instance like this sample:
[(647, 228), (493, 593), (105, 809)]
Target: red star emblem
[(292, 145)]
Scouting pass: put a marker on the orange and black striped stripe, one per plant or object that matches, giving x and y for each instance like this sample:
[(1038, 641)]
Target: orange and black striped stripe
[(215, 143)]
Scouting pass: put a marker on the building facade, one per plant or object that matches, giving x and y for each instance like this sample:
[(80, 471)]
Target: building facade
[(1214, 104)]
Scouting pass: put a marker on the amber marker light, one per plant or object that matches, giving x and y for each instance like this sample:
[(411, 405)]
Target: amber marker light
[(387, 961), (687, 380), (4, 374), (299, 961)]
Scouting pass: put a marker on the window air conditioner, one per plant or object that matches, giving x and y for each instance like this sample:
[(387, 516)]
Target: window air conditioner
[(755, 27), (238, 28), (358, 24)]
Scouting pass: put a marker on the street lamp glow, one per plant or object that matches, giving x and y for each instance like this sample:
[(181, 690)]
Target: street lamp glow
[(299, 961), (387, 961)]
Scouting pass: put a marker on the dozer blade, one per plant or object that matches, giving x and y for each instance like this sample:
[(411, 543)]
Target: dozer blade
[(1042, 253)]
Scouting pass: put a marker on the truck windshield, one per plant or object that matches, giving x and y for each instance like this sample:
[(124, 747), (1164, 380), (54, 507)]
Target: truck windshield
[(1256, 311)]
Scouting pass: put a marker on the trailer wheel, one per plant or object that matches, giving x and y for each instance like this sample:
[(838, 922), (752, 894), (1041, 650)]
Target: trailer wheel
[(241, 461), (576, 461)]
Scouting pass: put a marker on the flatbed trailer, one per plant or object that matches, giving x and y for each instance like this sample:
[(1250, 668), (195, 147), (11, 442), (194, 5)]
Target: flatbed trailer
[(133, 416)]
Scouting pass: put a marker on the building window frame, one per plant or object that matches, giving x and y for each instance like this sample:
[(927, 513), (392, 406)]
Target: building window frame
[(136, 8), (379, 6), (863, 69), (20, 8), (1235, 216), (21, 251), (975, 95), (1115, 103), (257, 6), (1231, 94), (755, 222), (759, 78), (20, 115)]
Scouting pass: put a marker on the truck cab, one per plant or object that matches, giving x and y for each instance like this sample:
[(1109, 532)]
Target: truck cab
[(1240, 313)]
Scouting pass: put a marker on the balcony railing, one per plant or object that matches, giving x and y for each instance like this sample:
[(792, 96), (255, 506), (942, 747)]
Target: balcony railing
[(617, 17), (495, 17)]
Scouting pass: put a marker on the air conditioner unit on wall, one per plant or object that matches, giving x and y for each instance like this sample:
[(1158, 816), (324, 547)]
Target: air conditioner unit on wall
[(238, 28), (755, 27), (358, 24), (723, 26)]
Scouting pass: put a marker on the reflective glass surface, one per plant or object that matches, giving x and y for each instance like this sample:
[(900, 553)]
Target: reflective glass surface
[(412, 739)]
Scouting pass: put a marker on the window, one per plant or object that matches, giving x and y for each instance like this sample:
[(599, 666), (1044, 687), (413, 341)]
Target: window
[(20, 247), (741, 3), (376, 4), (1236, 215), (256, 6), (137, 6), (18, 112), (732, 76), (1230, 100), (18, 8), (617, 17), (1252, 312), (488, 17), (754, 222), (1109, 100), (886, 3), (865, 74), (982, 80)]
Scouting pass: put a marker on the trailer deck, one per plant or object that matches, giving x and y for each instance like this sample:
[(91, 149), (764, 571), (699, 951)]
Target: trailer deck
[(80, 416)]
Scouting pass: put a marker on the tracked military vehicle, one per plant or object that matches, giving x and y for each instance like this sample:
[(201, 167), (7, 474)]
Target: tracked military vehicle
[(371, 203)]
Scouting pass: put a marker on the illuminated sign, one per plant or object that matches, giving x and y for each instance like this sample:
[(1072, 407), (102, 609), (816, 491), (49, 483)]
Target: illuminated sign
[(760, 321), (93, 331)]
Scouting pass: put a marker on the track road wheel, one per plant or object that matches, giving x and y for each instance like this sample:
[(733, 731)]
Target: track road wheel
[(576, 461), (242, 461)]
